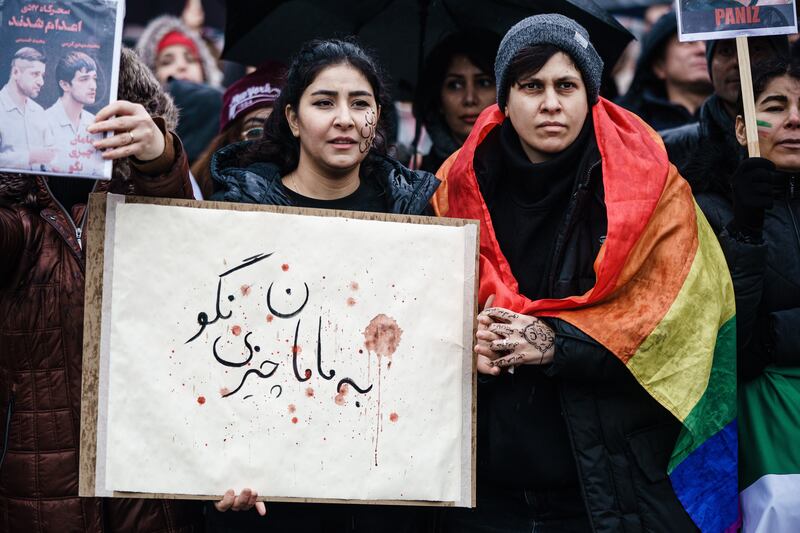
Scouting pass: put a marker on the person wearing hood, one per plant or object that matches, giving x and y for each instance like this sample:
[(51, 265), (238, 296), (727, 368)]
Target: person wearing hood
[(586, 229), (756, 216), (42, 278), (322, 147), (184, 64), (708, 149), (671, 80), (246, 105), (456, 86)]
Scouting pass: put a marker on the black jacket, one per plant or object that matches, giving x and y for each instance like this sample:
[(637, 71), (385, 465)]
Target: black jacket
[(408, 191), (766, 277), (621, 437), (707, 148)]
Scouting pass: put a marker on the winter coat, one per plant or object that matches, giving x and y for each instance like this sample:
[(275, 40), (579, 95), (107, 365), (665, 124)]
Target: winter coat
[(707, 148), (42, 278), (647, 96), (766, 276), (621, 437), (158, 28), (260, 183)]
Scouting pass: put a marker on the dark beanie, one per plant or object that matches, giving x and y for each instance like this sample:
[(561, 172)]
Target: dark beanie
[(560, 31)]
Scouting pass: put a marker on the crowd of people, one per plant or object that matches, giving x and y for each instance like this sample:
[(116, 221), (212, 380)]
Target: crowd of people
[(522, 139)]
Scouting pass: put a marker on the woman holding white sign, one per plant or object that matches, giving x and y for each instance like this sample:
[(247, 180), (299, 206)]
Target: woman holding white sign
[(323, 148)]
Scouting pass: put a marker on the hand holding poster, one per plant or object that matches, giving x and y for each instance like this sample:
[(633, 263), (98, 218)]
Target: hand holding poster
[(61, 59)]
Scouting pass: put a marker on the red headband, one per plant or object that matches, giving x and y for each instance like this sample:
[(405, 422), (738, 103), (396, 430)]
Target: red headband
[(176, 37)]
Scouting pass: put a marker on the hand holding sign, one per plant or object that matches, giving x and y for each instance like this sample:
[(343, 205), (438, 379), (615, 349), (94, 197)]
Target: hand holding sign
[(135, 133)]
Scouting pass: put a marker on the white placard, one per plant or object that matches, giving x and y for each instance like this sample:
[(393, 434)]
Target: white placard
[(331, 359)]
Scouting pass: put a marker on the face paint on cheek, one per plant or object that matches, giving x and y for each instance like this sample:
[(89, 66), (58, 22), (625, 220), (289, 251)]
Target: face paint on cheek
[(764, 128), (367, 131)]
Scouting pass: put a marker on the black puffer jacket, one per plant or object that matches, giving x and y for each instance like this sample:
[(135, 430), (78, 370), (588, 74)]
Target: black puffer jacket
[(260, 183), (766, 276), (621, 437), (707, 148)]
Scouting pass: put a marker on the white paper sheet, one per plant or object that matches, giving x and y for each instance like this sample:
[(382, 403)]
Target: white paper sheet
[(181, 422)]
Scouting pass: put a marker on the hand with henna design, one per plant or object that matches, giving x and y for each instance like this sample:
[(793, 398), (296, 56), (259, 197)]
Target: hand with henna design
[(483, 350), (510, 339)]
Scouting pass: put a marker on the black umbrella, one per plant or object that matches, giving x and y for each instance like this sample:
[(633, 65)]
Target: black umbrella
[(400, 31)]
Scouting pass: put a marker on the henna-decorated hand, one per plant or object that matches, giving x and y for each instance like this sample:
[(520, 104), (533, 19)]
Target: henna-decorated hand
[(508, 339), (483, 349)]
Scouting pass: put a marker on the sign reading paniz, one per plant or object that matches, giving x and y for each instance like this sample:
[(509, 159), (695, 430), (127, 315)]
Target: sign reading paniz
[(303, 356)]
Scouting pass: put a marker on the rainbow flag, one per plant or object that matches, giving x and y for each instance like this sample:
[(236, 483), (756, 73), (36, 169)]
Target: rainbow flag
[(662, 303)]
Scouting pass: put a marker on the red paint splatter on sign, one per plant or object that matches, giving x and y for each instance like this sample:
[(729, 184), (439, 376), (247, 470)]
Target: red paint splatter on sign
[(382, 335), (292, 408), (224, 391), (351, 302), (308, 373), (285, 267), (393, 417), (245, 290), (310, 392), (339, 399), (294, 420), (236, 330), (201, 400), (297, 350), (270, 318), (354, 285)]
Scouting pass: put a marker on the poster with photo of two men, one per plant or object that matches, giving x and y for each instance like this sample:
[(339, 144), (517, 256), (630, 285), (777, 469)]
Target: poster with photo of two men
[(59, 64)]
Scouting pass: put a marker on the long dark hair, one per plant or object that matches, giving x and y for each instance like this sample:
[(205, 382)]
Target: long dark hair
[(479, 46), (278, 145)]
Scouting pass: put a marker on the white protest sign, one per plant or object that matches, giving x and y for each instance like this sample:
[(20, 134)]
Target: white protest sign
[(309, 357)]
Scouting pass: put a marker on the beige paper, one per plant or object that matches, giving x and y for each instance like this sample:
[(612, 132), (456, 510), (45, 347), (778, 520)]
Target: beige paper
[(385, 310)]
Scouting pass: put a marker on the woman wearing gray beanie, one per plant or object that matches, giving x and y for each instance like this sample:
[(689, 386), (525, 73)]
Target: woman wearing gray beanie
[(579, 265)]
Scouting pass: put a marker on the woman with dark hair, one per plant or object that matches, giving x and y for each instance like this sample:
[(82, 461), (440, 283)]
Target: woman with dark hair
[(323, 147), (595, 260), (456, 85), (756, 215)]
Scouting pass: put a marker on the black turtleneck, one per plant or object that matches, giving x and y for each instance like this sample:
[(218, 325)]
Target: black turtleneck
[(527, 205), (523, 440)]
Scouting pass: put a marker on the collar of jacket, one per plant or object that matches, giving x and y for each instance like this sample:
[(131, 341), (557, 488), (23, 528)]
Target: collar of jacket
[(260, 183), (715, 120)]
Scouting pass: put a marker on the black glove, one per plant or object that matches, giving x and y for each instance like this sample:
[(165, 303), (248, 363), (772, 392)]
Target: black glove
[(752, 195)]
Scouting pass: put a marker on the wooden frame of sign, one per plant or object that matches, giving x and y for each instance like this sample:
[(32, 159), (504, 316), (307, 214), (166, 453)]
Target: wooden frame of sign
[(95, 250)]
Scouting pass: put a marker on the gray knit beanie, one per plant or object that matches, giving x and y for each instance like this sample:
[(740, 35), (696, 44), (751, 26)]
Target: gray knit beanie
[(560, 31)]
